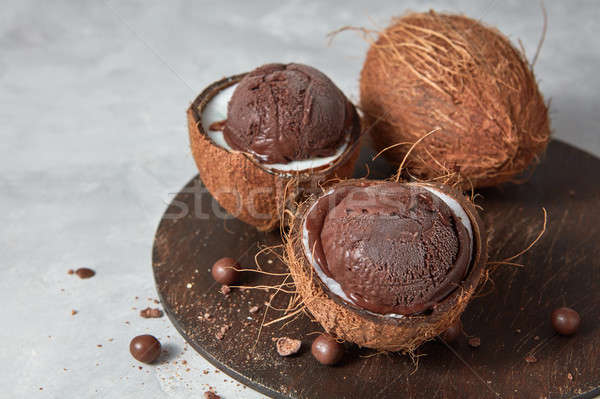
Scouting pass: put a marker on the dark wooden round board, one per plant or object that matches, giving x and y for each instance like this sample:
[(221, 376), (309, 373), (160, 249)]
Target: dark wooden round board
[(511, 316)]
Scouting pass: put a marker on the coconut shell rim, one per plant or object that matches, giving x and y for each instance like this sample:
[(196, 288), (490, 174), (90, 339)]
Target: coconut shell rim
[(209, 92)]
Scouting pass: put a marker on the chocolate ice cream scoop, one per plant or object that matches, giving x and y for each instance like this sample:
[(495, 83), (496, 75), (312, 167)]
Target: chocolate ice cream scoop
[(282, 113), (392, 248)]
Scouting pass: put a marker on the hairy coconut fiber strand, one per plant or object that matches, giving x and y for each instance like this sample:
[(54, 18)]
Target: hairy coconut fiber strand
[(365, 329), (429, 71)]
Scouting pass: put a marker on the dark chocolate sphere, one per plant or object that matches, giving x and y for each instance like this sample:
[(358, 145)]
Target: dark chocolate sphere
[(223, 271), (327, 350), (395, 248), (145, 348), (282, 113), (565, 321)]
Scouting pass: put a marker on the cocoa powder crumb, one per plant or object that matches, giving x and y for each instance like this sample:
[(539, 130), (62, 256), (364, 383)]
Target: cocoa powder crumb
[(151, 313), (475, 342), (211, 395), (288, 346), (73, 312), (531, 359), (84, 272), (70, 271), (218, 125)]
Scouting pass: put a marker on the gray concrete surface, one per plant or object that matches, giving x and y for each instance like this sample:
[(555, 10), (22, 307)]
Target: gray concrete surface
[(93, 144)]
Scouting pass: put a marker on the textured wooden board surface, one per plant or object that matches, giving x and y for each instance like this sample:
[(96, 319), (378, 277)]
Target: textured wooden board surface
[(511, 316)]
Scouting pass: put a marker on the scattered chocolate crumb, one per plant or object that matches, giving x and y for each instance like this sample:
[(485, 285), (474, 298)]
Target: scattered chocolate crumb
[(156, 301), (187, 370), (99, 345), (570, 376), (70, 271), (222, 331), (73, 312), (41, 388), (110, 339), (140, 367), (84, 272), (536, 338), (209, 394), (204, 371), (531, 359), (254, 309), (475, 342), (137, 297), (217, 126), (184, 361), (225, 290), (126, 322), (151, 313), (288, 346)]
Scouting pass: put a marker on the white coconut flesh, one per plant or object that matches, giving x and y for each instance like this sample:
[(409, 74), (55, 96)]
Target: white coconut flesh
[(335, 287), (216, 111)]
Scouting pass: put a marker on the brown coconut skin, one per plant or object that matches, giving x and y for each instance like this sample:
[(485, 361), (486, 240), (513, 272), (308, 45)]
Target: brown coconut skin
[(225, 172), (365, 329), (429, 71)]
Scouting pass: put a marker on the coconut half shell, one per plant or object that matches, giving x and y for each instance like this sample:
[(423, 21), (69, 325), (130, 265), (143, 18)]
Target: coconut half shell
[(243, 186), (370, 330)]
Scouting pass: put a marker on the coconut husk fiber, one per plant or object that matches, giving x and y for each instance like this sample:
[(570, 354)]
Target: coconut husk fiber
[(345, 321), (244, 188), (428, 71)]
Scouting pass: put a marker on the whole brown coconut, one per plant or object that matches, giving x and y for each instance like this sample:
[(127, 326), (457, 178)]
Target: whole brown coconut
[(428, 71), (367, 329), (244, 187)]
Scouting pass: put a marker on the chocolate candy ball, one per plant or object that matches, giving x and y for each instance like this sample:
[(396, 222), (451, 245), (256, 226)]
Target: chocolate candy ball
[(223, 271), (453, 332), (145, 348), (565, 321), (327, 350)]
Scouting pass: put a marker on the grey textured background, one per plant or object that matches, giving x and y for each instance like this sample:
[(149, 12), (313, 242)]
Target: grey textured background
[(93, 144)]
